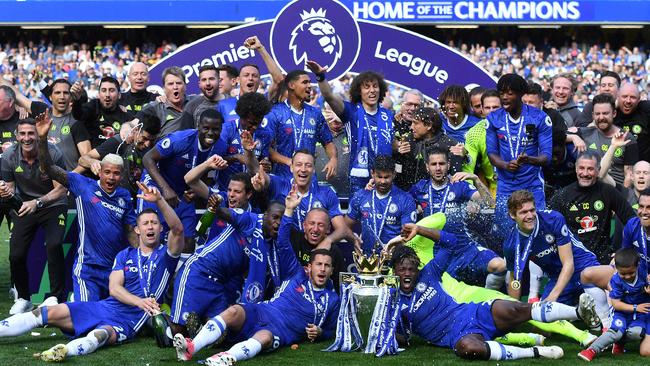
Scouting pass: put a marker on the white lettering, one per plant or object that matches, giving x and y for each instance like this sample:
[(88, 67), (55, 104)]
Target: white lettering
[(515, 10), (383, 10), (416, 65), (509, 10)]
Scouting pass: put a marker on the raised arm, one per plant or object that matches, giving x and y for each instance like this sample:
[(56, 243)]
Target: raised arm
[(150, 162), (175, 238), (193, 177), (254, 43), (332, 99), (618, 140), (43, 125)]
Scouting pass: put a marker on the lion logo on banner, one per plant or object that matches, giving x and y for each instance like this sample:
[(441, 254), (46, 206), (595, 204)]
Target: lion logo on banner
[(316, 29)]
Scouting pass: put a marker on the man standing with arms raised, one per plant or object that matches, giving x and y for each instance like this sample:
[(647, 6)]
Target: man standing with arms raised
[(370, 125)]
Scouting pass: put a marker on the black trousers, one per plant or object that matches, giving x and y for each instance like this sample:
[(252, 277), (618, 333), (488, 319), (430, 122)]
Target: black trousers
[(52, 220)]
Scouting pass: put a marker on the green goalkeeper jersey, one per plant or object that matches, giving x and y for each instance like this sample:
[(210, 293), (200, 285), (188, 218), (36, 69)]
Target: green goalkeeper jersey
[(477, 154)]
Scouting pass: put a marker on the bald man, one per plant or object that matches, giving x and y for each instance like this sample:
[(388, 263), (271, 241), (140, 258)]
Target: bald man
[(137, 96), (634, 115)]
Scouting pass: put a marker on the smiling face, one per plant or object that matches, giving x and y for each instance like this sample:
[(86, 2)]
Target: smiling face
[(609, 85), (320, 269), (408, 272), (302, 167), (209, 84), (562, 91), (209, 131), (26, 137), (587, 172), (603, 115), (525, 217), (138, 77), (453, 110), (628, 98), (627, 274), (410, 104), (148, 229), (316, 227)]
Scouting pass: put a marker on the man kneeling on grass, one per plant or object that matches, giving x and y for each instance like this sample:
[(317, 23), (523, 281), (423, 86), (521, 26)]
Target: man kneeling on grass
[(137, 283)]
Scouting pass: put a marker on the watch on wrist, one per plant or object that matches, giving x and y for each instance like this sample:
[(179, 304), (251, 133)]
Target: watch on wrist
[(320, 77), (39, 203)]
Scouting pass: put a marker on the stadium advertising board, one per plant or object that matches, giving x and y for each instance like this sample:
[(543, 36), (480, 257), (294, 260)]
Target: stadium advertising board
[(239, 11)]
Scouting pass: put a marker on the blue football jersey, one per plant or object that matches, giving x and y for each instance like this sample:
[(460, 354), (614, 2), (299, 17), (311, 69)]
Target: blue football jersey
[(101, 217), (550, 232), (629, 293), (458, 132), (144, 276), (530, 134), (381, 217), (227, 109), (634, 236), (180, 152), (293, 131), (453, 195), (319, 196)]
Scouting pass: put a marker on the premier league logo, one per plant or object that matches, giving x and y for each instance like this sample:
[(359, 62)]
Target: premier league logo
[(317, 33)]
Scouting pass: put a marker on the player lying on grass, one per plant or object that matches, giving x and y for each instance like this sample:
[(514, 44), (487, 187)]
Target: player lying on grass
[(469, 329), (305, 305), (464, 293), (137, 283)]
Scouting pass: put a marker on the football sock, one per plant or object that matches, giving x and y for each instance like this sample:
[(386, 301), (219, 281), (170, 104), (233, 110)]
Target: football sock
[(494, 281), (602, 306), (246, 349), (503, 352), (564, 328), (606, 339), (536, 275), (88, 344), (210, 333), (519, 339), (550, 311), (18, 324)]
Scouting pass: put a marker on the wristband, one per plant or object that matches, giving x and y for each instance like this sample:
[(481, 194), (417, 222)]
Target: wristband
[(634, 314), (320, 77)]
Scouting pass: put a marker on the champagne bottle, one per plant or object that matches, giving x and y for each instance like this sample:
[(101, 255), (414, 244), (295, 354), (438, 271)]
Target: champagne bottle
[(206, 221)]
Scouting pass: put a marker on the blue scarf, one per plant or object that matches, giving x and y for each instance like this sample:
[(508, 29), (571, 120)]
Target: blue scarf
[(260, 255), (364, 149)]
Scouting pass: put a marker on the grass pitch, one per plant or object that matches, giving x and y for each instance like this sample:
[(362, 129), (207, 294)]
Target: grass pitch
[(143, 351)]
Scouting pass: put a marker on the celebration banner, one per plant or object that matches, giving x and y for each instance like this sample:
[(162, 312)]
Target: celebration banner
[(327, 32)]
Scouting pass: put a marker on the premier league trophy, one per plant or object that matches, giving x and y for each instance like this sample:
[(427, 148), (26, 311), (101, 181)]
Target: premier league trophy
[(369, 308)]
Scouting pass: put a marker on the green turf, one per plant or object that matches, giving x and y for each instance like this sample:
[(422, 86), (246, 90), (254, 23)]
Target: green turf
[(143, 351)]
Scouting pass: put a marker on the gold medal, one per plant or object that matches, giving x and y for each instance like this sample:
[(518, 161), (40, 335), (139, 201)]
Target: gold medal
[(516, 285)]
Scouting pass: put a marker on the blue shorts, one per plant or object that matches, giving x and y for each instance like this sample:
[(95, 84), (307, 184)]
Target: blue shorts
[(185, 211), (88, 316), (622, 321), (472, 266), (473, 319), (571, 292), (197, 292), (256, 321), (89, 282)]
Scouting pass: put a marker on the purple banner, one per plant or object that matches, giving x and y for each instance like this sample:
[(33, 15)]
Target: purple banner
[(326, 31)]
